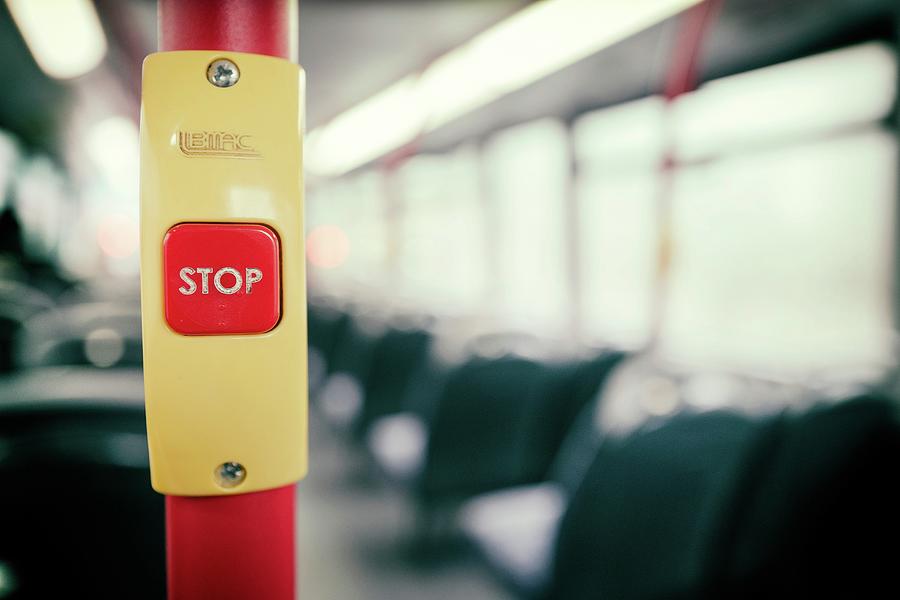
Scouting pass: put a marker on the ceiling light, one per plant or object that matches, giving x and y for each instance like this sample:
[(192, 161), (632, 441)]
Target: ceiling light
[(64, 36), (113, 145), (539, 40)]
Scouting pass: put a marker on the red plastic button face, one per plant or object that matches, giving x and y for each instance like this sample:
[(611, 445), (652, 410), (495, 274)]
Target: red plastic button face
[(221, 278)]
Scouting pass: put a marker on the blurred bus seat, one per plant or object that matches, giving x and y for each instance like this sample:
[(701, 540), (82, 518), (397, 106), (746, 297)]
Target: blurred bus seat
[(340, 397), (102, 289), (325, 325), (646, 521), (18, 303), (373, 361), (397, 356), (103, 334), (515, 530), (77, 511), (823, 518), (719, 505), (481, 405), (398, 443), (497, 423)]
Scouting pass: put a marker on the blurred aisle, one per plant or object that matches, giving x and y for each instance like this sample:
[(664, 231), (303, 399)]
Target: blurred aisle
[(353, 537)]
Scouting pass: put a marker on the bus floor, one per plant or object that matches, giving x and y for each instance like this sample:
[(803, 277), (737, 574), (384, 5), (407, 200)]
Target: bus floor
[(354, 537)]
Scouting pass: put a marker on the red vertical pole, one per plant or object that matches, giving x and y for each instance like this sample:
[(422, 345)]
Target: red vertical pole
[(239, 546), (681, 77), (236, 547), (257, 26)]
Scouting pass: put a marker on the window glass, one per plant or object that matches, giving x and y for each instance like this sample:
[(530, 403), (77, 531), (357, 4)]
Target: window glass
[(527, 178), (619, 152), (783, 258), (346, 234), (441, 236)]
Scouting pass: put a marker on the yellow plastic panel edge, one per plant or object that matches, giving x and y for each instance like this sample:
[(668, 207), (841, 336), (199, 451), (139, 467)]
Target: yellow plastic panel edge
[(214, 399)]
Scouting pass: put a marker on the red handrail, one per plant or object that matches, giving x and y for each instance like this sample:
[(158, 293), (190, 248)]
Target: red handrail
[(258, 26), (239, 546)]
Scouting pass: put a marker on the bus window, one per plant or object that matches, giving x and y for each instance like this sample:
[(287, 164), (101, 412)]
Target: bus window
[(441, 238), (783, 234), (527, 173), (346, 234), (619, 152)]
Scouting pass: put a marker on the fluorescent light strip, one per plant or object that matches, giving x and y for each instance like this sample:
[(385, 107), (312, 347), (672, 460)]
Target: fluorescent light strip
[(382, 123), (537, 41), (64, 36), (810, 96)]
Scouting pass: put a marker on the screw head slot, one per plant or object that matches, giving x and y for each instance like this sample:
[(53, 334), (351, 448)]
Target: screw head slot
[(230, 474), (223, 73)]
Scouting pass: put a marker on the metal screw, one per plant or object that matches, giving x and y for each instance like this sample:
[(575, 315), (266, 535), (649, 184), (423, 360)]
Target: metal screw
[(223, 73), (230, 474)]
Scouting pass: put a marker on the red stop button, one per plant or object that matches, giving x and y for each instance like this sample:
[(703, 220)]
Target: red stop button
[(221, 278)]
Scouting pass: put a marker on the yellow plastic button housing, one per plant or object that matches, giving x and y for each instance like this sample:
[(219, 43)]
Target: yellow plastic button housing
[(223, 155)]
